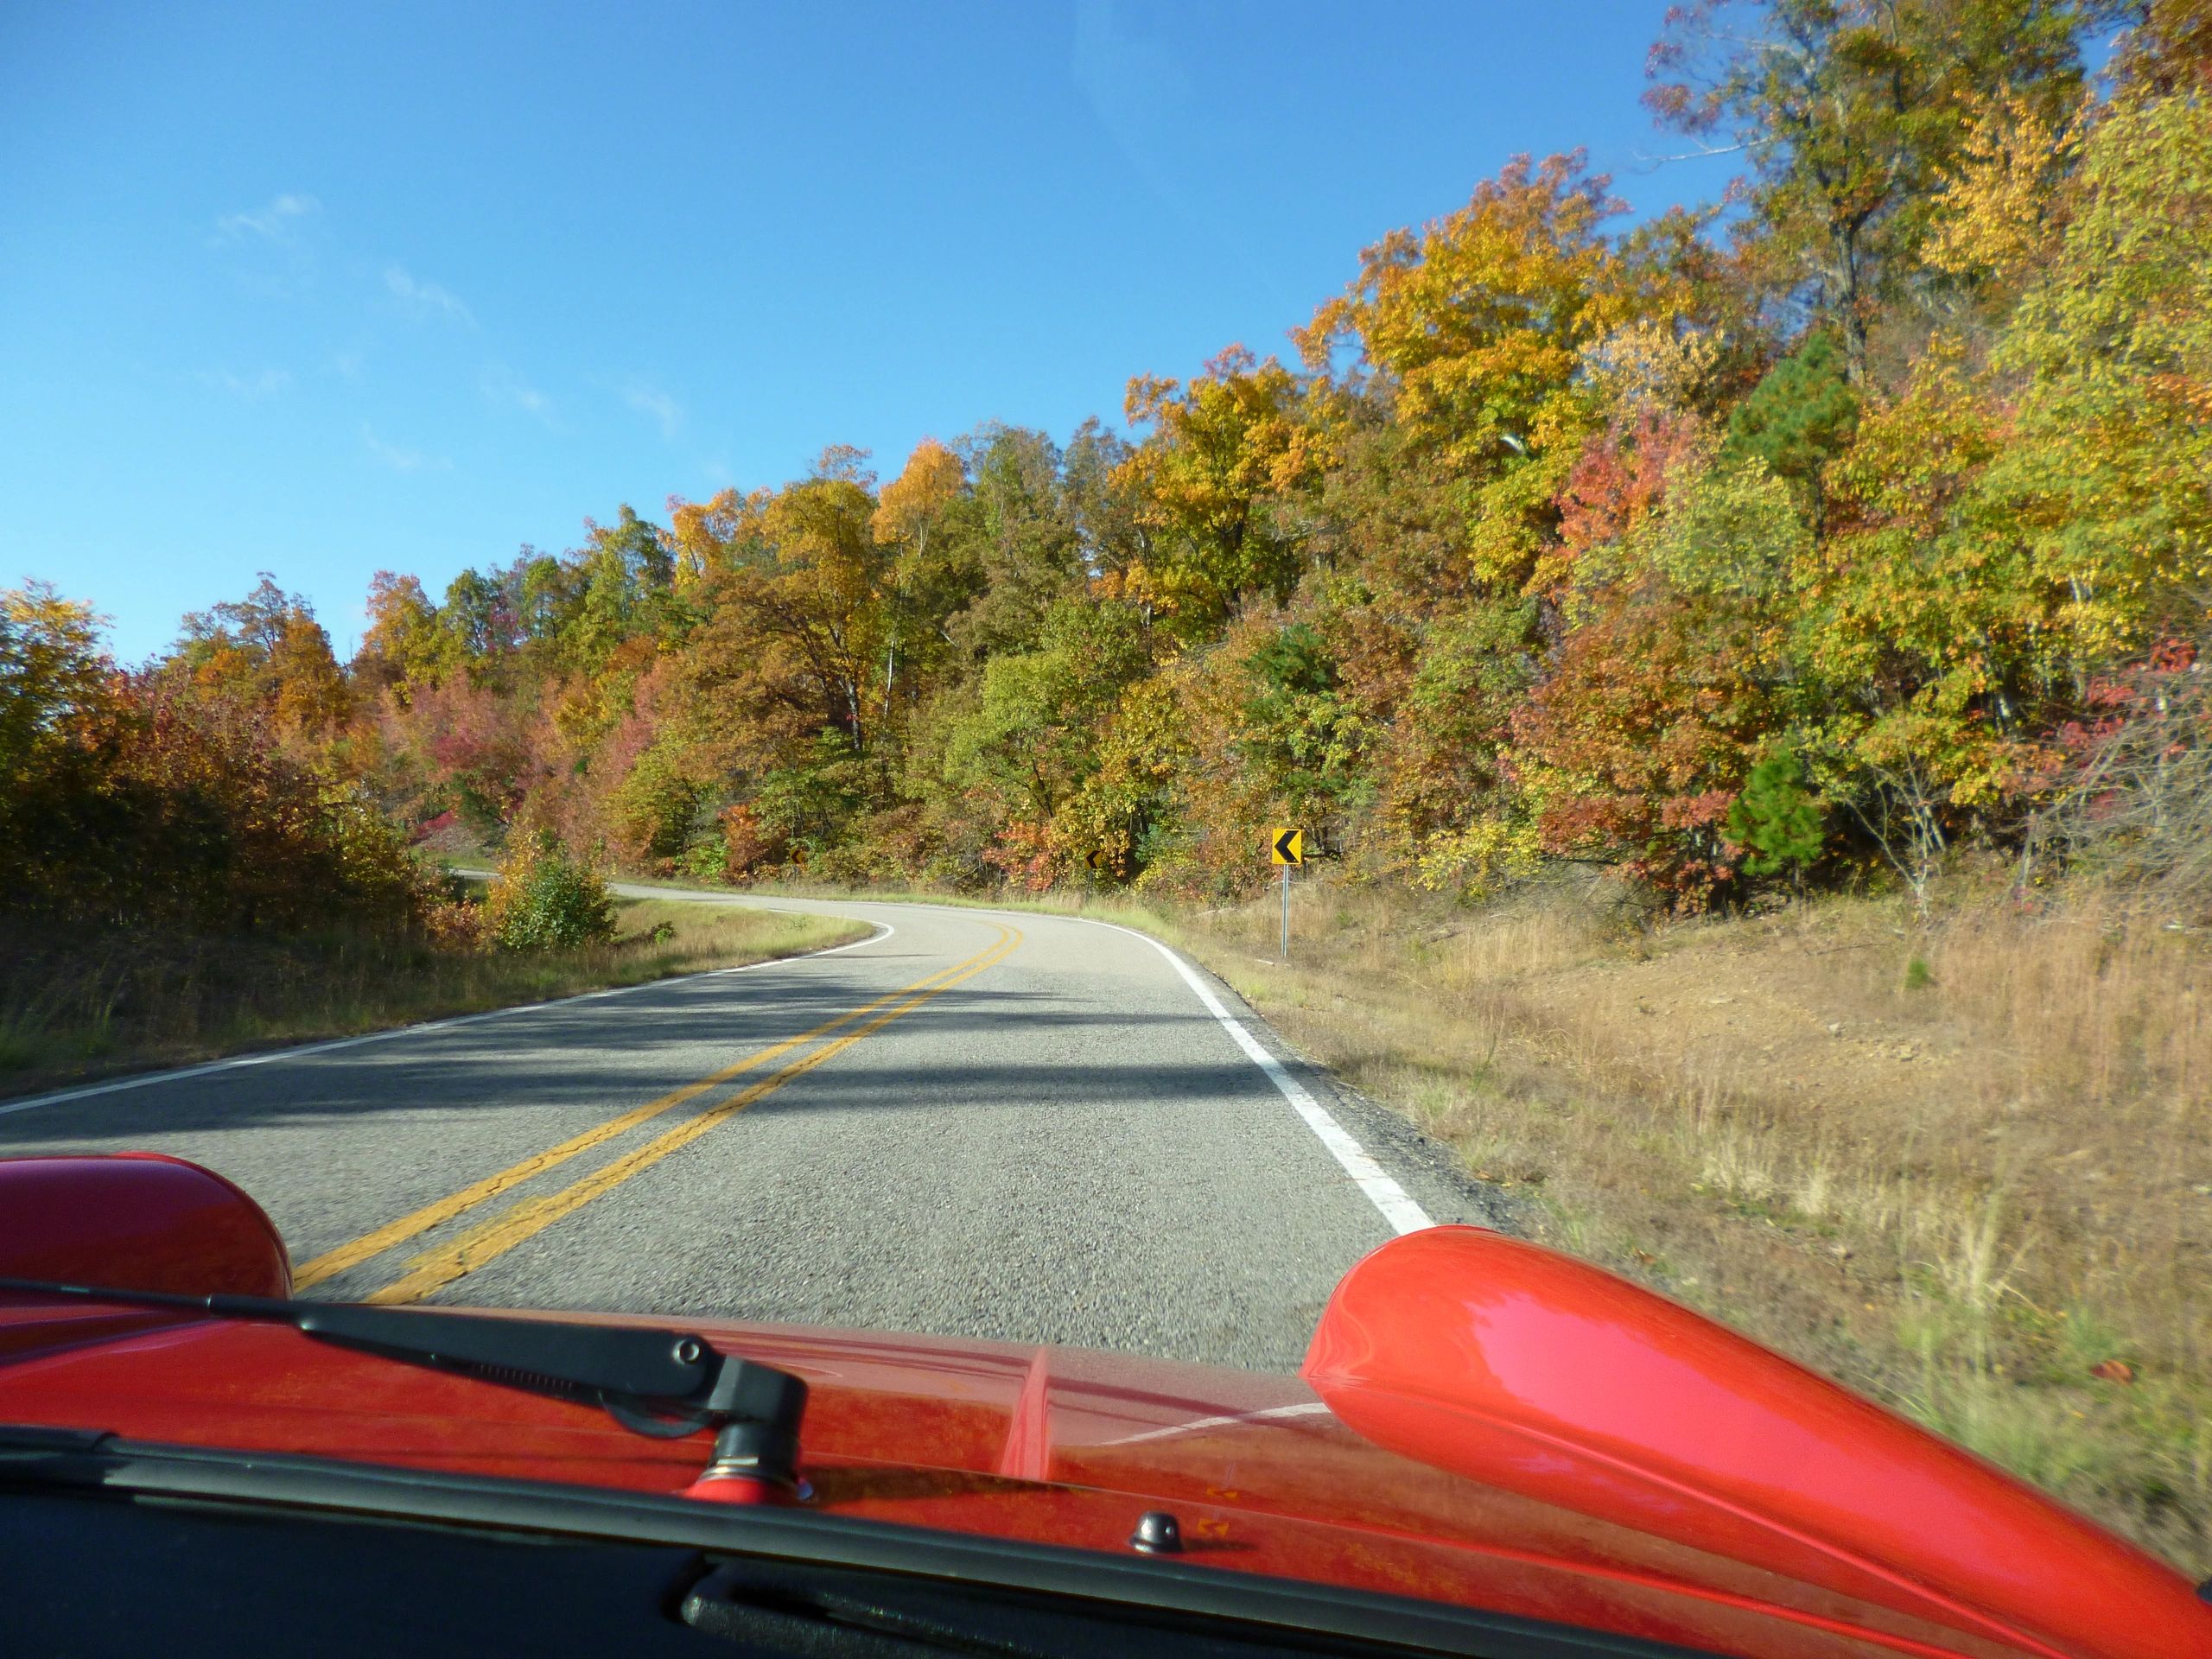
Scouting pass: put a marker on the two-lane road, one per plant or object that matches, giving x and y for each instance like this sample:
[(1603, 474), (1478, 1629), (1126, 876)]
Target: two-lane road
[(974, 1122)]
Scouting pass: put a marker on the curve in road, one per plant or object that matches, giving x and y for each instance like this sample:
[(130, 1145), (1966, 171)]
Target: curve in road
[(1032, 1128)]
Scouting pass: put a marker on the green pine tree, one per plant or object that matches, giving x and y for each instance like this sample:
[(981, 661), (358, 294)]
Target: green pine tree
[(1777, 818)]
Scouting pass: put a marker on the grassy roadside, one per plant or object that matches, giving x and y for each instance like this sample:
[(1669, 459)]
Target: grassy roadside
[(73, 1012), (1962, 1164)]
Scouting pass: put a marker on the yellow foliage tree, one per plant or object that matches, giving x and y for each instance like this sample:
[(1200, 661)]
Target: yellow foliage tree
[(1222, 451), (1475, 330), (905, 512)]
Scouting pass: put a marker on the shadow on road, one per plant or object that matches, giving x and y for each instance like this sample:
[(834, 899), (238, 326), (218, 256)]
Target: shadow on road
[(576, 1055)]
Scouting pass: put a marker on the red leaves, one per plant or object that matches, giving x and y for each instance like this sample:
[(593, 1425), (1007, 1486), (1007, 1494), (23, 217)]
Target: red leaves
[(1638, 742), (1026, 853), (1618, 481), (747, 844)]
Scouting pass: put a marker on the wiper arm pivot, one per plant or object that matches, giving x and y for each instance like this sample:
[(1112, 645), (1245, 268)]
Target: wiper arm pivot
[(662, 1383)]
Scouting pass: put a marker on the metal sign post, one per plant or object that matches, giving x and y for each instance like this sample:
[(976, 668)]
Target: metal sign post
[(1287, 848)]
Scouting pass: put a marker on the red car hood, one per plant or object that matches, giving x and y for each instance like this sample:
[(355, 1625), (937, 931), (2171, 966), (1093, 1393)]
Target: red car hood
[(1481, 1422), (1049, 1444)]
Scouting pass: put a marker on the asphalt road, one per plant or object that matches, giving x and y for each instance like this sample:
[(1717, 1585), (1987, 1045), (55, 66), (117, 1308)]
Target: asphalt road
[(980, 1123)]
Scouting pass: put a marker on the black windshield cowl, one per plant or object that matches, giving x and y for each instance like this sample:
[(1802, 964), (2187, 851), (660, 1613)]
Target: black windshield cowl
[(663, 1383), (437, 1564)]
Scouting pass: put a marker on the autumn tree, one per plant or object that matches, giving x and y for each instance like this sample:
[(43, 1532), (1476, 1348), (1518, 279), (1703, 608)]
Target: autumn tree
[(53, 671), (1221, 453), (1473, 334), (2104, 475), (626, 575), (1034, 733), (1016, 543), (404, 646), (58, 691), (268, 650), (709, 537), (907, 513), (1635, 743), (1849, 113), (160, 798), (2168, 48), (1096, 502)]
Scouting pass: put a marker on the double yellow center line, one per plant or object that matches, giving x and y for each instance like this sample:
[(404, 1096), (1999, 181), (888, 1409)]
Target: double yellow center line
[(473, 1248)]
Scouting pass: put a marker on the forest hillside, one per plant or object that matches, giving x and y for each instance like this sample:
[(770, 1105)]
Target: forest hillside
[(1744, 551)]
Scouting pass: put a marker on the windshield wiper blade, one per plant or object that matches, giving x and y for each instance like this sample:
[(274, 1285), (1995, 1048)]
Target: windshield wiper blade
[(810, 1612), (658, 1382)]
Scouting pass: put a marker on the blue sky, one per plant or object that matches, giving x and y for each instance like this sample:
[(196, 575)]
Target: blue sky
[(323, 289)]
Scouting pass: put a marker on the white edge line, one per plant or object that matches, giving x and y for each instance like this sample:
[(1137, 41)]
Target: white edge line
[(277, 1056), (1397, 1205)]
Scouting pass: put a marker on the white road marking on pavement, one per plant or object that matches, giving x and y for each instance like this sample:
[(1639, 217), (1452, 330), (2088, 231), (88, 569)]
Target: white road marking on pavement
[(1397, 1206), (274, 1056)]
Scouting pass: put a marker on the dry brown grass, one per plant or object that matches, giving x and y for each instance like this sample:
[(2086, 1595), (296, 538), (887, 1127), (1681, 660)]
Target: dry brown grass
[(76, 1008), (1958, 1185)]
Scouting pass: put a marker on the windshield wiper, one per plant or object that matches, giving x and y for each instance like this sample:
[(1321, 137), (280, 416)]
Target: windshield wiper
[(661, 1384), (779, 1610)]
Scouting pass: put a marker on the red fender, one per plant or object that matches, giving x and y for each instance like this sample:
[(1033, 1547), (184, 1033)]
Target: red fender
[(136, 1221), (1537, 1373)]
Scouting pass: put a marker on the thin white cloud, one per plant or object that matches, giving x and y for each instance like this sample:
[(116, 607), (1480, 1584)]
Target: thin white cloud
[(1147, 91), (272, 223), (651, 401), (502, 386), (425, 299), (400, 460), (1135, 85), (254, 388)]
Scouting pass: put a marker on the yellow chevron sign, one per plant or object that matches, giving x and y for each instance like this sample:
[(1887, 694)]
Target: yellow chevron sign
[(1288, 847)]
